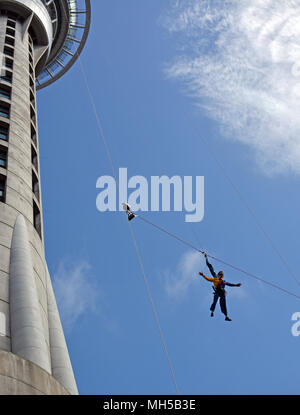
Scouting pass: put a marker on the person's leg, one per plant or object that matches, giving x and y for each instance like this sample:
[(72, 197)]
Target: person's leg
[(213, 306), (223, 307), (223, 304)]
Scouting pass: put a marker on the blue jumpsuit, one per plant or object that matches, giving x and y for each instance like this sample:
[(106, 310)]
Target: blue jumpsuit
[(219, 292)]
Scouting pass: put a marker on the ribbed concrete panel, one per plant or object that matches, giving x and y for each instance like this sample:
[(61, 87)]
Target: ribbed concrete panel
[(5, 234), (4, 286), (4, 259), (27, 333), (22, 377), (60, 360), (4, 344)]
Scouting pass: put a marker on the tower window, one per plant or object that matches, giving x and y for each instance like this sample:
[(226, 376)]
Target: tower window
[(3, 133), (9, 41), (9, 63), (10, 31), (11, 23), (7, 77), (2, 188), (37, 219), (33, 135), (8, 51), (35, 186), (30, 70), (4, 92), (32, 115), (32, 100), (31, 83), (34, 158), (3, 157), (4, 110)]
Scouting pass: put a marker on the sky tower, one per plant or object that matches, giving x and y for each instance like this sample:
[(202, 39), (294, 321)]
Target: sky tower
[(39, 41)]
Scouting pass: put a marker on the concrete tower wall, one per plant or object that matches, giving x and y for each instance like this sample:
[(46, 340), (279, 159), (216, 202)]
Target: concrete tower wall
[(25, 287), (28, 337), (19, 173)]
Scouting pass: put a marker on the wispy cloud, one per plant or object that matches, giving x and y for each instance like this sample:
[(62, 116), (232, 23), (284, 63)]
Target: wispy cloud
[(75, 290), (178, 282), (240, 60)]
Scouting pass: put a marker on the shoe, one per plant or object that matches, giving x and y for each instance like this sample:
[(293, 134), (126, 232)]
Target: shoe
[(212, 314), (227, 318)]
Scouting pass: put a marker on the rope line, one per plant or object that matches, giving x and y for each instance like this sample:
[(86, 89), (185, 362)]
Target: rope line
[(175, 236), (244, 202), (254, 276), (153, 307), (215, 258), (98, 120), (131, 230)]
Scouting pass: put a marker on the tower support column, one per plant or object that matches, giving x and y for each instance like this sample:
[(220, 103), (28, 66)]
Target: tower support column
[(34, 358)]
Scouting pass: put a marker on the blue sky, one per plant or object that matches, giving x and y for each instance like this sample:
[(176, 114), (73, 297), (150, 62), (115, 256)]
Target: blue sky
[(162, 74)]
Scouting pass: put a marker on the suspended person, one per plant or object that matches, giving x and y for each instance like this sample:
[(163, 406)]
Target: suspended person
[(219, 289), (128, 211)]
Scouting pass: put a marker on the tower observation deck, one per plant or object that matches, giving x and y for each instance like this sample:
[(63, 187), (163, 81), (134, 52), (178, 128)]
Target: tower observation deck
[(39, 42)]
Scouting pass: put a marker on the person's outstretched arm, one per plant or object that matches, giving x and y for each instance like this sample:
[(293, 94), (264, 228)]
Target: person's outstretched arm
[(207, 278), (233, 285), (211, 268)]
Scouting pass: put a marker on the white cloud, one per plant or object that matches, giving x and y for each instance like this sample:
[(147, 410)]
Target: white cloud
[(240, 61), (75, 291), (178, 283)]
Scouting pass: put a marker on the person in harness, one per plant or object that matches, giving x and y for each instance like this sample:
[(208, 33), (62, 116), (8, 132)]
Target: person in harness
[(128, 211), (219, 289)]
